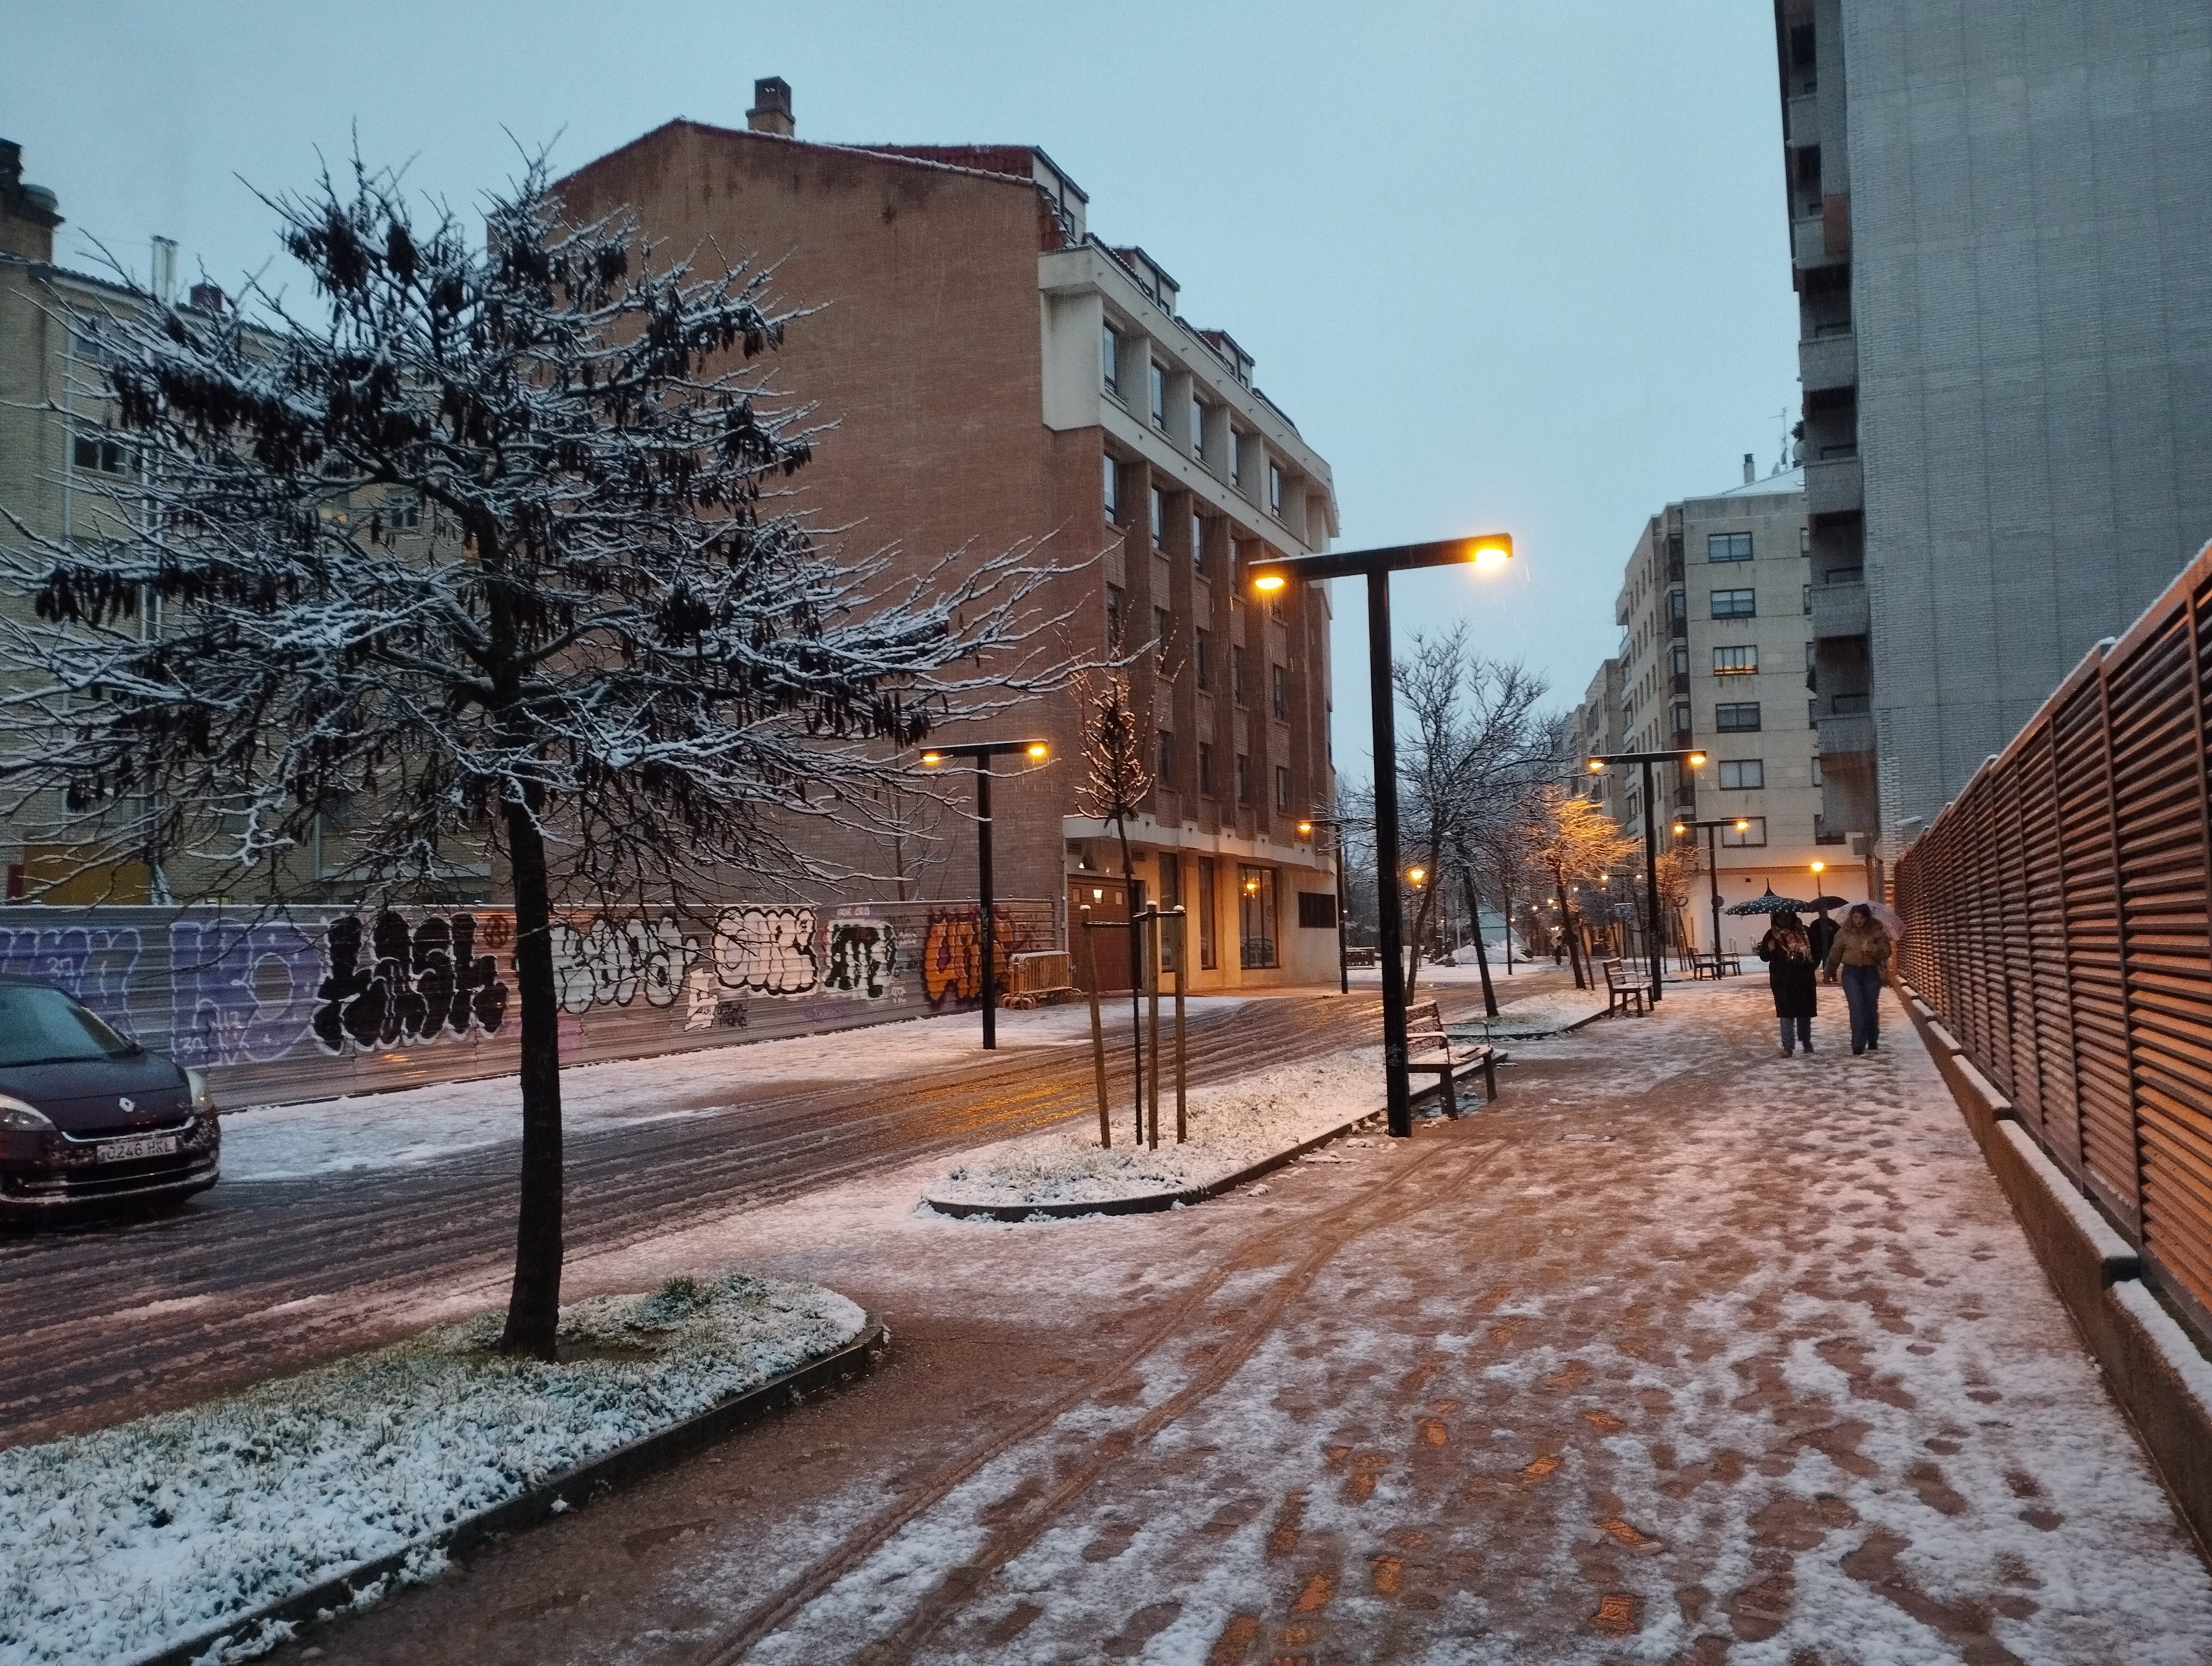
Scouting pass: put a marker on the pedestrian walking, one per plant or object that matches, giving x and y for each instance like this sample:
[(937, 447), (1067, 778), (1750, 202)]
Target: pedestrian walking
[(1792, 974), (1860, 953), (1822, 935)]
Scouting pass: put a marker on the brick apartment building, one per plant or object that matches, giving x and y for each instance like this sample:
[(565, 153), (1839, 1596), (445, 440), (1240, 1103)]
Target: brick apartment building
[(998, 375)]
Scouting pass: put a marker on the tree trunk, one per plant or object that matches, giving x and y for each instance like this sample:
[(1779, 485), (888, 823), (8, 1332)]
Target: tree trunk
[(1482, 954), (1567, 930), (1136, 971), (533, 1306)]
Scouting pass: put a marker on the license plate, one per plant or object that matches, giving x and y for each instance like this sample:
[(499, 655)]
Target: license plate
[(152, 1145)]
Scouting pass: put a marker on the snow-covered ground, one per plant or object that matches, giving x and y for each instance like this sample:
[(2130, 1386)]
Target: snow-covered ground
[(114, 1544), (1685, 1341), (1533, 1015), (1232, 1128), (423, 1124)]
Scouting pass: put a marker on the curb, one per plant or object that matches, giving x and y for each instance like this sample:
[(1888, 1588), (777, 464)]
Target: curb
[(360, 1585), (2153, 1368)]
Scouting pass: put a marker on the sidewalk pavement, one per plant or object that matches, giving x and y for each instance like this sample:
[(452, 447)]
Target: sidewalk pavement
[(1683, 1352)]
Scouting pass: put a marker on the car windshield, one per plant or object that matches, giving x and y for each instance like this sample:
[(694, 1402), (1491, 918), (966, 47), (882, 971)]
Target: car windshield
[(45, 1026)]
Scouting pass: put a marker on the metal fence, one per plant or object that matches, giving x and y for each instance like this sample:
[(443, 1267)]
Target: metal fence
[(313, 1003), (2056, 916)]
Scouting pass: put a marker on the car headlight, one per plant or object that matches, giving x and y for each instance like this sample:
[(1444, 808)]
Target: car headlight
[(202, 1101), (19, 1117)]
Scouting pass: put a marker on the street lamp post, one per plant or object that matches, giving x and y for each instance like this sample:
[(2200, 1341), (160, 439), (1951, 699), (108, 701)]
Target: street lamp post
[(1688, 759), (980, 753), (1713, 863), (1489, 551), (1343, 965)]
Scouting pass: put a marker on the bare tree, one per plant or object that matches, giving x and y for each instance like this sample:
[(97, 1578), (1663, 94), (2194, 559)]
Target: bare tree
[(1478, 748), (616, 661), (1117, 780), (1570, 839)]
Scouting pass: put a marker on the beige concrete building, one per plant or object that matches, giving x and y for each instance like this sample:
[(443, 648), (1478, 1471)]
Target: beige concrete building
[(1716, 654)]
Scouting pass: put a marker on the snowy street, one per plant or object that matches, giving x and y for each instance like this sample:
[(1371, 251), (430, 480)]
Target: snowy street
[(1685, 1352), (345, 1224)]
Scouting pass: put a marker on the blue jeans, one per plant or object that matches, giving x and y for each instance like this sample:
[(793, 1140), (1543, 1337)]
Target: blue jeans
[(1804, 1029), (1862, 994)]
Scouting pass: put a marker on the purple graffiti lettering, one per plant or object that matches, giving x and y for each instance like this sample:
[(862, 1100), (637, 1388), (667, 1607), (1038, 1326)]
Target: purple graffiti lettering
[(223, 976)]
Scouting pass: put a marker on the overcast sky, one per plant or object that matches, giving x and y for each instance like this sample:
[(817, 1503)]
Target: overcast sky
[(1506, 265)]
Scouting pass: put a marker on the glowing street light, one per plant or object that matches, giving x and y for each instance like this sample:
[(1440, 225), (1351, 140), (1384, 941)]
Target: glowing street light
[(1688, 759), (1741, 825), (980, 753), (1488, 552)]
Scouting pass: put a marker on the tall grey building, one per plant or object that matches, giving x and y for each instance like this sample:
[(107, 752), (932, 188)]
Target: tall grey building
[(2001, 235)]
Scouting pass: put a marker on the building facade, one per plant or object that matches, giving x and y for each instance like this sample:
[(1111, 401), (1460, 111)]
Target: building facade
[(1716, 654), (998, 377), (2002, 257)]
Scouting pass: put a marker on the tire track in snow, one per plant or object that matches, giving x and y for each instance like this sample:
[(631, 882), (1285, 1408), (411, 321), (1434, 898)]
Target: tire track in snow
[(104, 1323)]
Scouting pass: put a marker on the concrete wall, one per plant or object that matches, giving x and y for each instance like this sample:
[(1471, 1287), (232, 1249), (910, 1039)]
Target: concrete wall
[(2033, 289)]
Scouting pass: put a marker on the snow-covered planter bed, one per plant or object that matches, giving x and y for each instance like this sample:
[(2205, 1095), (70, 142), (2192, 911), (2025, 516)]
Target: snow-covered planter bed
[(118, 1544), (1234, 1128)]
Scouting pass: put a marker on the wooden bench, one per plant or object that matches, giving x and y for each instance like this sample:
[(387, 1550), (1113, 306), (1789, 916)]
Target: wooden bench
[(1358, 956), (1431, 1051), (1716, 965), (1625, 989)]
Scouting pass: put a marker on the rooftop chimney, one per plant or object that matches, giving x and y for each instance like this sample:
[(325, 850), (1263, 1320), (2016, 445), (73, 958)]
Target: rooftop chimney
[(1750, 469), (206, 297), (771, 110), (29, 214)]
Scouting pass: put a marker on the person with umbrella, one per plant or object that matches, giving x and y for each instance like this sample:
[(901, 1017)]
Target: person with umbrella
[(1822, 932), (1861, 951), (1790, 977)]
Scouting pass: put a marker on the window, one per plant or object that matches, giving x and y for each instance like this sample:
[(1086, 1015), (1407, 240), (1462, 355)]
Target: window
[(1282, 787), (1159, 516), (1816, 770), (93, 451), (1197, 426), (1681, 715), (1236, 456), (1205, 769), (1113, 498), (1204, 658), (1159, 396), (1729, 546), (1735, 603), (1740, 718), (404, 513), (1808, 599), (1318, 910), (1198, 546), (1166, 774), (1236, 674), (1678, 605), (1281, 680), (1751, 838), (1256, 915), (1678, 660), (1805, 541), (1114, 605), (1162, 634), (1244, 779), (1743, 774), (1734, 661), (1110, 360), (1208, 957), (1275, 487)]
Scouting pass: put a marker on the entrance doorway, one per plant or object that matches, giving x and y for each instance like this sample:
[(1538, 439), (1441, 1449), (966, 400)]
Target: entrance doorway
[(1110, 902)]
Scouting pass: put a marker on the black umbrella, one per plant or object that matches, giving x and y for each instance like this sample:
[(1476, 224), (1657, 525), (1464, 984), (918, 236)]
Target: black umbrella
[(1770, 903), (1822, 904)]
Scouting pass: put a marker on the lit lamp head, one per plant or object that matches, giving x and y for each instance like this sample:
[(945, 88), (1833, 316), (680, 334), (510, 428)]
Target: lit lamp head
[(1679, 829), (1269, 582), (1597, 766), (1697, 760), (1037, 750), (1742, 825), (930, 760), (1417, 874), (1820, 868), (1490, 552), (1306, 829)]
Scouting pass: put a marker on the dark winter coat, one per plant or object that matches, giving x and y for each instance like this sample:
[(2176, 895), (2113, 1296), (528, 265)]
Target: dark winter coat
[(1822, 933), (1791, 971)]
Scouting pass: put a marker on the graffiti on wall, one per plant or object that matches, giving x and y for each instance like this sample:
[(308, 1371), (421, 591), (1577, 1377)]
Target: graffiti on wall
[(417, 984), (93, 963), (239, 992), (863, 955), (610, 961), (952, 953)]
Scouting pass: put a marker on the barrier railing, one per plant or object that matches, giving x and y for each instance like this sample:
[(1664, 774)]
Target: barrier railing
[(2058, 916), (309, 1003)]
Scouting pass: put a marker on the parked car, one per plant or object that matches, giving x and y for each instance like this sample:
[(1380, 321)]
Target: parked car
[(89, 1117)]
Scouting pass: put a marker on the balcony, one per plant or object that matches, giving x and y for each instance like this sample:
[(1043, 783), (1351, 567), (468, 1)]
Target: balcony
[(1678, 682), (1802, 125), (1846, 736), (1839, 609), (1808, 244), (1834, 487), (1828, 362)]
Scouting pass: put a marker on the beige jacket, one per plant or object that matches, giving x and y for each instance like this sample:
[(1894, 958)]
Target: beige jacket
[(1859, 945)]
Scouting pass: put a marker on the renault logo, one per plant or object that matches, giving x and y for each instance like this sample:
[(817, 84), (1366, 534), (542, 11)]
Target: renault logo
[(126, 1106)]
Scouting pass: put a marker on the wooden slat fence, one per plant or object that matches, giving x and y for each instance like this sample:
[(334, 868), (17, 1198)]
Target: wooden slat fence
[(2058, 916)]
